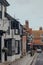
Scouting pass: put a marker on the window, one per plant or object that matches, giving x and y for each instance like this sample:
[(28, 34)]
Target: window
[(13, 46), (8, 31), (17, 47), (0, 6), (16, 31), (13, 25)]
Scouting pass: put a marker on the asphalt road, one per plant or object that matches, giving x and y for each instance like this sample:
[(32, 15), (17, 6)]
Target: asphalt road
[(39, 60)]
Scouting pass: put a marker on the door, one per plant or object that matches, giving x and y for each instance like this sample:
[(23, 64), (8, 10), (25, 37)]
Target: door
[(0, 49)]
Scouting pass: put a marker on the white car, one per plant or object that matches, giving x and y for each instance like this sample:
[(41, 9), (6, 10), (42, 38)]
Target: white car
[(39, 50)]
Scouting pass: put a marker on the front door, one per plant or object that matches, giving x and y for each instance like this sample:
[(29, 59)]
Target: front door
[(0, 49)]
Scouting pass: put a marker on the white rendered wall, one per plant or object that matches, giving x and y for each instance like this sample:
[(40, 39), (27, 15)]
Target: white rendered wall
[(9, 36), (17, 56), (12, 35), (11, 58), (4, 23)]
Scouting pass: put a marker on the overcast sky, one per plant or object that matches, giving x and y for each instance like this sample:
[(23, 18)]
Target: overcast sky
[(31, 10)]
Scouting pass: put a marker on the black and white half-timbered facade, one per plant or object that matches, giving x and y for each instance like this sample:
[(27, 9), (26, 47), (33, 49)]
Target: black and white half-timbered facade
[(10, 35), (13, 40), (3, 27)]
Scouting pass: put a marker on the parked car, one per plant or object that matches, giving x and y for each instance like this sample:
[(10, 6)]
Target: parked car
[(39, 50)]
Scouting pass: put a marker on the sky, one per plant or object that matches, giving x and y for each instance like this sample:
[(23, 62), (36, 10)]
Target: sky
[(31, 10)]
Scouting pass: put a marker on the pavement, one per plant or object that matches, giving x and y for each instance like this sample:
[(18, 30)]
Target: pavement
[(26, 60)]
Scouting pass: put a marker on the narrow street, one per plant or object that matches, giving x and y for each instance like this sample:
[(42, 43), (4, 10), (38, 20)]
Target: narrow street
[(26, 60), (23, 61), (38, 60)]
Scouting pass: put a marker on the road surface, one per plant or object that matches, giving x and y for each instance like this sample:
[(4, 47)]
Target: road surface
[(38, 60)]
